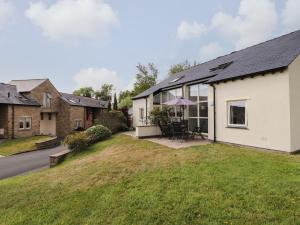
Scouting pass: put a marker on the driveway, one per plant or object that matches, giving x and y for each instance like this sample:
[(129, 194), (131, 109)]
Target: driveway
[(27, 162)]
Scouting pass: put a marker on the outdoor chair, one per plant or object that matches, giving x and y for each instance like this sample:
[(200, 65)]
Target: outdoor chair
[(179, 131), (165, 130), (198, 131)]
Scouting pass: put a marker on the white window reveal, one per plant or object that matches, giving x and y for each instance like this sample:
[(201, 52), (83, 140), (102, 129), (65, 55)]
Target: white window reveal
[(25, 123), (237, 114), (141, 113), (47, 100), (77, 124)]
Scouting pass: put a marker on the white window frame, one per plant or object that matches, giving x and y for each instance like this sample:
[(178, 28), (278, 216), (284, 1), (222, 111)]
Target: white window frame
[(228, 114), (197, 104), (23, 120), (77, 123), (47, 100)]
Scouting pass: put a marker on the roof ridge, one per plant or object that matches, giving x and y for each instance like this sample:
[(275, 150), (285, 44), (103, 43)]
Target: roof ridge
[(31, 79)]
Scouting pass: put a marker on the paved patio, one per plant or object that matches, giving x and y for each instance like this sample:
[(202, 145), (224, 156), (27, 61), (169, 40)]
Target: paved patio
[(176, 144)]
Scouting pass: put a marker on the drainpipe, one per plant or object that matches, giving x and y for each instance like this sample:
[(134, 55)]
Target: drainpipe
[(13, 123), (146, 111), (215, 113)]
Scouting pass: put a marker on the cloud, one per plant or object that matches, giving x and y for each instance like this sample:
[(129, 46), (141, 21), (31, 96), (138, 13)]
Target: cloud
[(187, 31), (291, 15), (211, 51), (73, 19), (96, 77), (7, 11), (255, 22)]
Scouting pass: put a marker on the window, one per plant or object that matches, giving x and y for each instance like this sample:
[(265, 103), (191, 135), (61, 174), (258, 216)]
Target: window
[(77, 124), (141, 113), (237, 116), (176, 79), (171, 95), (156, 99), (25, 123), (198, 113), (49, 116), (47, 100), (42, 116)]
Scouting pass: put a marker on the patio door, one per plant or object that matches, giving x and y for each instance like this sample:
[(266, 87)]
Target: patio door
[(198, 113)]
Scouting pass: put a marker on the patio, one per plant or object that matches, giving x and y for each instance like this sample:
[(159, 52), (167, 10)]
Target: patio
[(176, 144)]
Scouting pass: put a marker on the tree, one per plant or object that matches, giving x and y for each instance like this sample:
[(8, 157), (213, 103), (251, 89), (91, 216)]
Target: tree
[(146, 77), (126, 103), (105, 93), (176, 68), (109, 105), (85, 92), (115, 105)]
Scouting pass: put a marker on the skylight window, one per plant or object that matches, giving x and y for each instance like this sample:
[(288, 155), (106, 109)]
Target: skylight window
[(176, 79), (221, 66)]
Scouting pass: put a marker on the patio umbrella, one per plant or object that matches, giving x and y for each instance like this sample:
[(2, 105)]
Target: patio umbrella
[(179, 102)]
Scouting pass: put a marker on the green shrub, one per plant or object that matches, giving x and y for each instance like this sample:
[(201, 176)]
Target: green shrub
[(77, 141), (113, 120), (98, 133)]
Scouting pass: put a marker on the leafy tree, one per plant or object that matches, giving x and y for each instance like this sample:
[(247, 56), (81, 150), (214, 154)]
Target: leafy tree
[(146, 77), (105, 92), (124, 94), (125, 102), (115, 105), (176, 68), (85, 92)]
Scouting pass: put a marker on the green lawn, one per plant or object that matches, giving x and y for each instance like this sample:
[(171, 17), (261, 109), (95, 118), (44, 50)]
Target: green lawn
[(10, 147), (129, 181)]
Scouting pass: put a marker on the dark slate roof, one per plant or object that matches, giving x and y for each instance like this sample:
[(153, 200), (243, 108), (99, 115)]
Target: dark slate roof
[(271, 55), (27, 85), (83, 101), (10, 96)]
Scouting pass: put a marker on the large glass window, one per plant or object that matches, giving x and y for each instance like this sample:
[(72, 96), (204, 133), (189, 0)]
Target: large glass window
[(198, 113), (237, 116), (171, 95)]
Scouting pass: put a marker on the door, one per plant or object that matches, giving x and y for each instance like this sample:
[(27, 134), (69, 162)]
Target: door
[(48, 124)]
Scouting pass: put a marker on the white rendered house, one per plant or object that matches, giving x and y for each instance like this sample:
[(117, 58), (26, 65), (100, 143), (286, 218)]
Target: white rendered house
[(249, 97)]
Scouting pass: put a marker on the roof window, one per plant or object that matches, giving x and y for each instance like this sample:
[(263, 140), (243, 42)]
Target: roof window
[(221, 66), (176, 79)]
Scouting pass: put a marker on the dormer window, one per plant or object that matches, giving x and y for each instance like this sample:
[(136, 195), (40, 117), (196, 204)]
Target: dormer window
[(47, 100)]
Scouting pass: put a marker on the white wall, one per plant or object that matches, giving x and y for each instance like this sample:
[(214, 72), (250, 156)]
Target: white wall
[(268, 111), (141, 103), (294, 71)]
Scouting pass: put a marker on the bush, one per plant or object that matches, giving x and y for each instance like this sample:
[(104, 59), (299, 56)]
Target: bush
[(77, 141), (113, 120), (98, 133), (158, 115)]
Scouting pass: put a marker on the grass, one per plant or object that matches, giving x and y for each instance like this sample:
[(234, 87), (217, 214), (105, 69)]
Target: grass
[(129, 181), (10, 147)]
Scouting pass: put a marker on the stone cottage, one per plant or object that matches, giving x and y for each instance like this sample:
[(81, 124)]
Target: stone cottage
[(33, 107)]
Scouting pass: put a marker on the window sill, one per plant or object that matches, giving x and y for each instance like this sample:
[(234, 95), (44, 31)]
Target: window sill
[(237, 127)]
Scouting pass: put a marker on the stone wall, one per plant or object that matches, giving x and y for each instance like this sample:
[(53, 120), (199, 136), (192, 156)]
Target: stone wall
[(4, 119), (77, 113), (63, 126), (25, 111), (38, 95)]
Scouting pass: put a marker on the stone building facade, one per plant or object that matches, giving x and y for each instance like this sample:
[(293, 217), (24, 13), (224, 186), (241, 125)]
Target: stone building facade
[(35, 107)]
